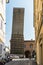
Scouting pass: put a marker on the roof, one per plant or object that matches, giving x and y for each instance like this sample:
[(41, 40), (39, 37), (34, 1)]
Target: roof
[(29, 40)]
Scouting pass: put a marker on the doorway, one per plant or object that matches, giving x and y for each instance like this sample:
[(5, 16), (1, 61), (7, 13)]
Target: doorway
[(27, 54)]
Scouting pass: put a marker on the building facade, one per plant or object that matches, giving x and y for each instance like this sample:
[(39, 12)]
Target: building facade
[(2, 25), (17, 38), (29, 45), (30, 48), (38, 25), (2, 21)]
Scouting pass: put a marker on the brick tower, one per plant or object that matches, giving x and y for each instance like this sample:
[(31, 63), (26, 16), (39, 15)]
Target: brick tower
[(17, 38)]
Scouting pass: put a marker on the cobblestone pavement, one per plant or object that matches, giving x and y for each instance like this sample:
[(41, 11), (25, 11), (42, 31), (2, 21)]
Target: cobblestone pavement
[(22, 62)]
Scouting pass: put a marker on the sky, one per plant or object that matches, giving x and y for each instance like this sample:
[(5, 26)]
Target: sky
[(28, 19)]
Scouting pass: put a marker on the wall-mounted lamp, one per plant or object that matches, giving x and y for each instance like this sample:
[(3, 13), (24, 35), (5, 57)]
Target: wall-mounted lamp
[(7, 1), (5, 23)]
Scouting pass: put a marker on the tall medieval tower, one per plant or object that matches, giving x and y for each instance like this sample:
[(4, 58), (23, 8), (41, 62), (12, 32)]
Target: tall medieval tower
[(17, 38)]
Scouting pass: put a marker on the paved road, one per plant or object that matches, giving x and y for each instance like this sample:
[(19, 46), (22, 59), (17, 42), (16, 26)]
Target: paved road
[(21, 62)]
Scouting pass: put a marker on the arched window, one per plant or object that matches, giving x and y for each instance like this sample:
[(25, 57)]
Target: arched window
[(31, 45)]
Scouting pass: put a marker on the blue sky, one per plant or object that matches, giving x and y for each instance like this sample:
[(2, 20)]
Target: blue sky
[(28, 18)]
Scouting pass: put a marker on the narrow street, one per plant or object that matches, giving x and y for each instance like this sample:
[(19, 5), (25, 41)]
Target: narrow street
[(21, 62)]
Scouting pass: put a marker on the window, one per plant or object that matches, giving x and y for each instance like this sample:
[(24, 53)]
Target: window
[(0, 48), (38, 16), (42, 21), (42, 7), (42, 15), (31, 45), (4, 49), (1, 25), (40, 40)]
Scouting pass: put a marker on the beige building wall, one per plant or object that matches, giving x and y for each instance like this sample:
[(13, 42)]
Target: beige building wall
[(38, 24)]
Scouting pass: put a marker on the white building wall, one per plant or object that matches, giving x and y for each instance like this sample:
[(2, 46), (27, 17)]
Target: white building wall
[(2, 19), (2, 26)]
